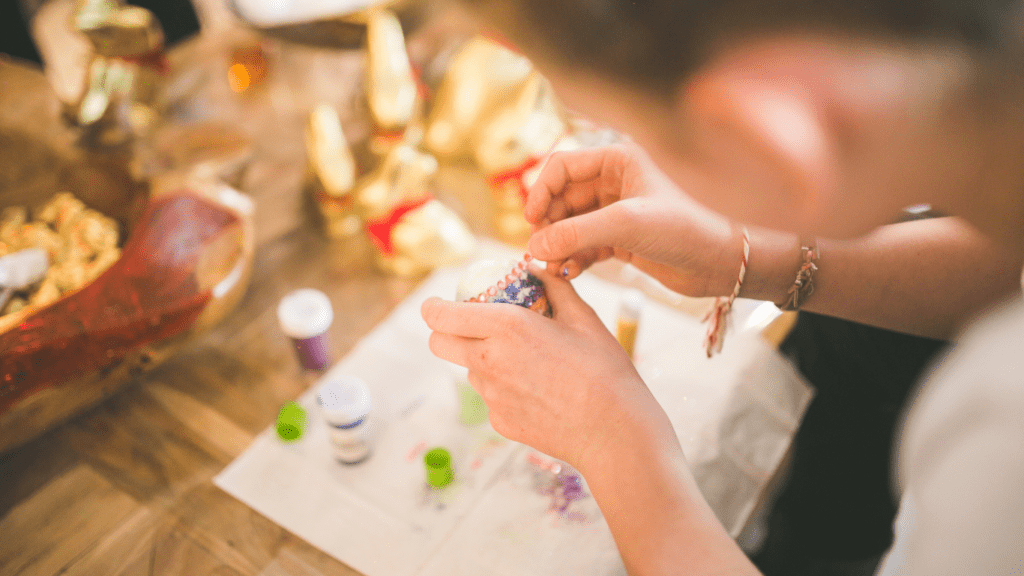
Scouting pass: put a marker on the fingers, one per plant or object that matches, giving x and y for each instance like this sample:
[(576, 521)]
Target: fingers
[(578, 262), (455, 349), (465, 319), (584, 235), (565, 302), (546, 198)]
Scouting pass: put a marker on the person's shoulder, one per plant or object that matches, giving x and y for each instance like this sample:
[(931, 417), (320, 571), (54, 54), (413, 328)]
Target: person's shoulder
[(980, 380), (960, 461), (991, 349)]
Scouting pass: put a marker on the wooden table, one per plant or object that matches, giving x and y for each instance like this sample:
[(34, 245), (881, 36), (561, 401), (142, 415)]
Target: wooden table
[(125, 488)]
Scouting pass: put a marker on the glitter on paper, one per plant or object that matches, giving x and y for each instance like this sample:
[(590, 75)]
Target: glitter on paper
[(561, 483)]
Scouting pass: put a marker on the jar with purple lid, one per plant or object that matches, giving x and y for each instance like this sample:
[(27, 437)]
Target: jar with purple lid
[(304, 316)]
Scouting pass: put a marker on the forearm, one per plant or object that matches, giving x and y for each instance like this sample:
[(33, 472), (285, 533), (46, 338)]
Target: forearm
[(926, 277), (660, 521)]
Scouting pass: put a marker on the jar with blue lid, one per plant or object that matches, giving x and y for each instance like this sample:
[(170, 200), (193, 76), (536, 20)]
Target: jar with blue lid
[(345, 404)]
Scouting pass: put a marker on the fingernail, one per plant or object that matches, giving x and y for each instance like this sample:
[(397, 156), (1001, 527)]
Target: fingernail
[(565, 271)]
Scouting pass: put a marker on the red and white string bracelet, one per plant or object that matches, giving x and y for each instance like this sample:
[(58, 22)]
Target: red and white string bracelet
[(718, 315)]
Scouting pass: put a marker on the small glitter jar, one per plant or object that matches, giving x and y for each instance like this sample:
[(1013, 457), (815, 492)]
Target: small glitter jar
[(345, 405), (291, 422), (630, 307), (438, 463), (304, 316), (504, 282), (472, 409)]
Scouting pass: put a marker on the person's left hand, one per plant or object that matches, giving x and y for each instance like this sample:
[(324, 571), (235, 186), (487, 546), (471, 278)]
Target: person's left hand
[(562, 385)]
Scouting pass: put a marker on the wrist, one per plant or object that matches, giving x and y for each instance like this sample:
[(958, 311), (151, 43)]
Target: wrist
[(632, 437), (774, 259)]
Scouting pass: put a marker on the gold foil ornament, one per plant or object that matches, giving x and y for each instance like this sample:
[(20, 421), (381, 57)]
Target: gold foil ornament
[(495, 108), (391, 87), (511, 148), (334, 172), (482, 78), (117, 30), (125, 73), (412, 232)]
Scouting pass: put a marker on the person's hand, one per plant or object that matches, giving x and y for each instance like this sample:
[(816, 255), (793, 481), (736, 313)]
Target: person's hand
[(562, 385), (590, 205)]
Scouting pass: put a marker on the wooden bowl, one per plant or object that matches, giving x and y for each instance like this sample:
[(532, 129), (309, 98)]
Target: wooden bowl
[(186, 260)]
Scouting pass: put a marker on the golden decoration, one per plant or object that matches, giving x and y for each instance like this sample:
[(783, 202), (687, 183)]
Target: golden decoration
[(334, 172), (125, 72)]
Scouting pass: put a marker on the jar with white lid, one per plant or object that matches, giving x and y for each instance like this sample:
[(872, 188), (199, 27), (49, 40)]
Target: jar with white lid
[(345, 405), (305, 316)]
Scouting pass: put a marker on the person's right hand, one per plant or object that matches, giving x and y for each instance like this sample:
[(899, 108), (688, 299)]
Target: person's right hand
[(593, 204)]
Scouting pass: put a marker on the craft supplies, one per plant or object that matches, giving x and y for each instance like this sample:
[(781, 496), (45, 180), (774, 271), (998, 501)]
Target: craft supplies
[(345, 404), (495, 281), (504, 282), (291, 422), (304, 316), (472, 409), (630, 306), (438, 462)]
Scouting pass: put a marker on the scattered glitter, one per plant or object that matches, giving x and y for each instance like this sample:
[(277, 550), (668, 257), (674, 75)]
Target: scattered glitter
[(416, 450), (561, 483)]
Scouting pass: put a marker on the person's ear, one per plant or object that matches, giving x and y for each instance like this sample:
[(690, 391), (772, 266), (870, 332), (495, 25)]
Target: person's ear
[(757, 132)]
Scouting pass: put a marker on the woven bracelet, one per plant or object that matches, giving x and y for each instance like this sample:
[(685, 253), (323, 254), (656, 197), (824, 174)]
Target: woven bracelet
[(803, 286)]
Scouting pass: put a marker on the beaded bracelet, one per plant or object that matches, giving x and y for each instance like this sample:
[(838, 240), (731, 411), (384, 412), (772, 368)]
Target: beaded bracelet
[(803, 286), (719, 313)]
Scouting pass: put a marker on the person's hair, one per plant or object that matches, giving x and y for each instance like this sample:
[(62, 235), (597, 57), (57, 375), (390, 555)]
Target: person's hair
[(654, 44)]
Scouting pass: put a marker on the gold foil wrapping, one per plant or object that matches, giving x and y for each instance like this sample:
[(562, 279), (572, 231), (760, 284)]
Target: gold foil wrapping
[(391, 88), (482, 79), (413, 232), (495, 108), (491, 108), (334, 170), (125, 72)]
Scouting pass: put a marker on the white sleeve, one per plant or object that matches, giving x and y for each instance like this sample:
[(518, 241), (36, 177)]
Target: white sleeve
[(963, 472)]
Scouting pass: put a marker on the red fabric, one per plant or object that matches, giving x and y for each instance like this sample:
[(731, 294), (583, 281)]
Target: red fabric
[(155, 60), (500, 39), (381, 231), (388, 136), (148, 295), (422, 90), (517, 173)]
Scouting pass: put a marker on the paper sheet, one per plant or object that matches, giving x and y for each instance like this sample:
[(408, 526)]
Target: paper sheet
[(734, 414)]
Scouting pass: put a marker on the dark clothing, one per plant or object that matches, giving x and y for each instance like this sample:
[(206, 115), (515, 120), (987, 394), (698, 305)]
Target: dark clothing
[(834, 514)]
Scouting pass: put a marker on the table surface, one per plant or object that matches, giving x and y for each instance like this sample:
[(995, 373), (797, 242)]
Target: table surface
[(126, 487)]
